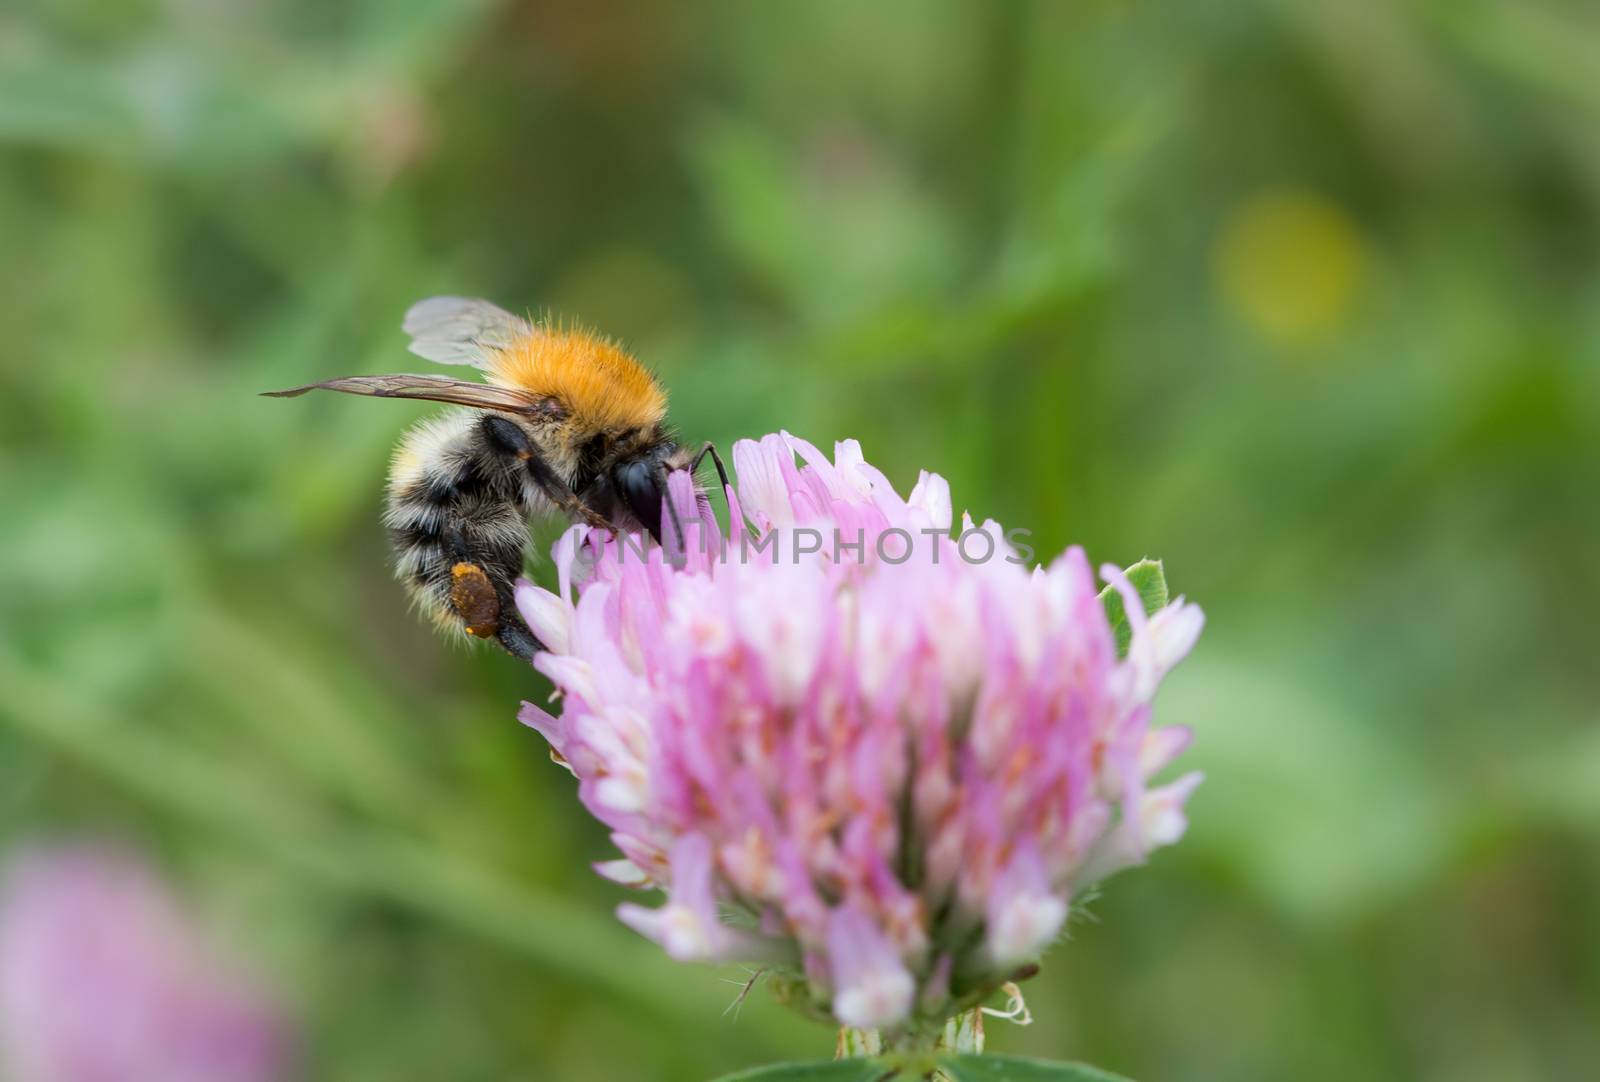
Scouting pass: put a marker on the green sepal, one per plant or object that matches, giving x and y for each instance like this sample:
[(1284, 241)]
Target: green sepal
[(1150, 580)]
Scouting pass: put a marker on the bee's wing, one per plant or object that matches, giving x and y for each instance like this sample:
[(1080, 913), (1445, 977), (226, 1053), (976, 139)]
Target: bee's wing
[(461, 330), (434, 389)]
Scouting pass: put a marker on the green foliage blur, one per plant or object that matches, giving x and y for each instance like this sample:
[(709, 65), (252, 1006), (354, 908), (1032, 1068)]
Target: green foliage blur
[(1301, 297)]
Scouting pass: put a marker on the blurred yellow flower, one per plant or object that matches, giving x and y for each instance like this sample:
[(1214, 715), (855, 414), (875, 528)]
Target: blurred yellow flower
[(1291, 264)]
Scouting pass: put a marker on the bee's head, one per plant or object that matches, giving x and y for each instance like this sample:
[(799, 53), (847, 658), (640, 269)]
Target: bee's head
[(640, 482), (641, 485)]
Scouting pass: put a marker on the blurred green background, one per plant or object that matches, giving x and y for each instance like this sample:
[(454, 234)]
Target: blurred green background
[(1302, 297)]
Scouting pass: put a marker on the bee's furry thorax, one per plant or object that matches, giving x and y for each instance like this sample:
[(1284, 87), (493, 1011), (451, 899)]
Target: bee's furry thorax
[(601, 388)]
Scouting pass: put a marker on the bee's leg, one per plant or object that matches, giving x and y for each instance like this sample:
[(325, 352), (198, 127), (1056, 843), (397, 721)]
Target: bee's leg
[(716, 460), (518, 641), (511, 440), (486, 611), (694, 465), (722, 475)]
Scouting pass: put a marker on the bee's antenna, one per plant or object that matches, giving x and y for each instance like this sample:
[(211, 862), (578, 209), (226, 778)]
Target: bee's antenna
[(722, 475)]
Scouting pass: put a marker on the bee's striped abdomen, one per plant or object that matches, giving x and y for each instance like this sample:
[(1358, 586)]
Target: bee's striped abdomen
[(455, 499)]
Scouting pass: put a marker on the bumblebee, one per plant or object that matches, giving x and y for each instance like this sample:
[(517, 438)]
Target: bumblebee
[(566, 420)]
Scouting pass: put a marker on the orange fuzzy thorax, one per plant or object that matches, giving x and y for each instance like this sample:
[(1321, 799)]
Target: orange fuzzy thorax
[(599, 385)]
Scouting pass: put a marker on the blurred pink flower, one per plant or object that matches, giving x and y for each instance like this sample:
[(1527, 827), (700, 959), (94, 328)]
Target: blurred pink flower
[(884, 763), (105, 978)]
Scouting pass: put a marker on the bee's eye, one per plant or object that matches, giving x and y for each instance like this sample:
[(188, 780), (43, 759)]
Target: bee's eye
[(638, 488)]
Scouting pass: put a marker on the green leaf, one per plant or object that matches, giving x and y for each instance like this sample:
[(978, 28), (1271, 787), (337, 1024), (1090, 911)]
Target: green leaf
[(814, 1070), (1019, 1069), (1150, 580)]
